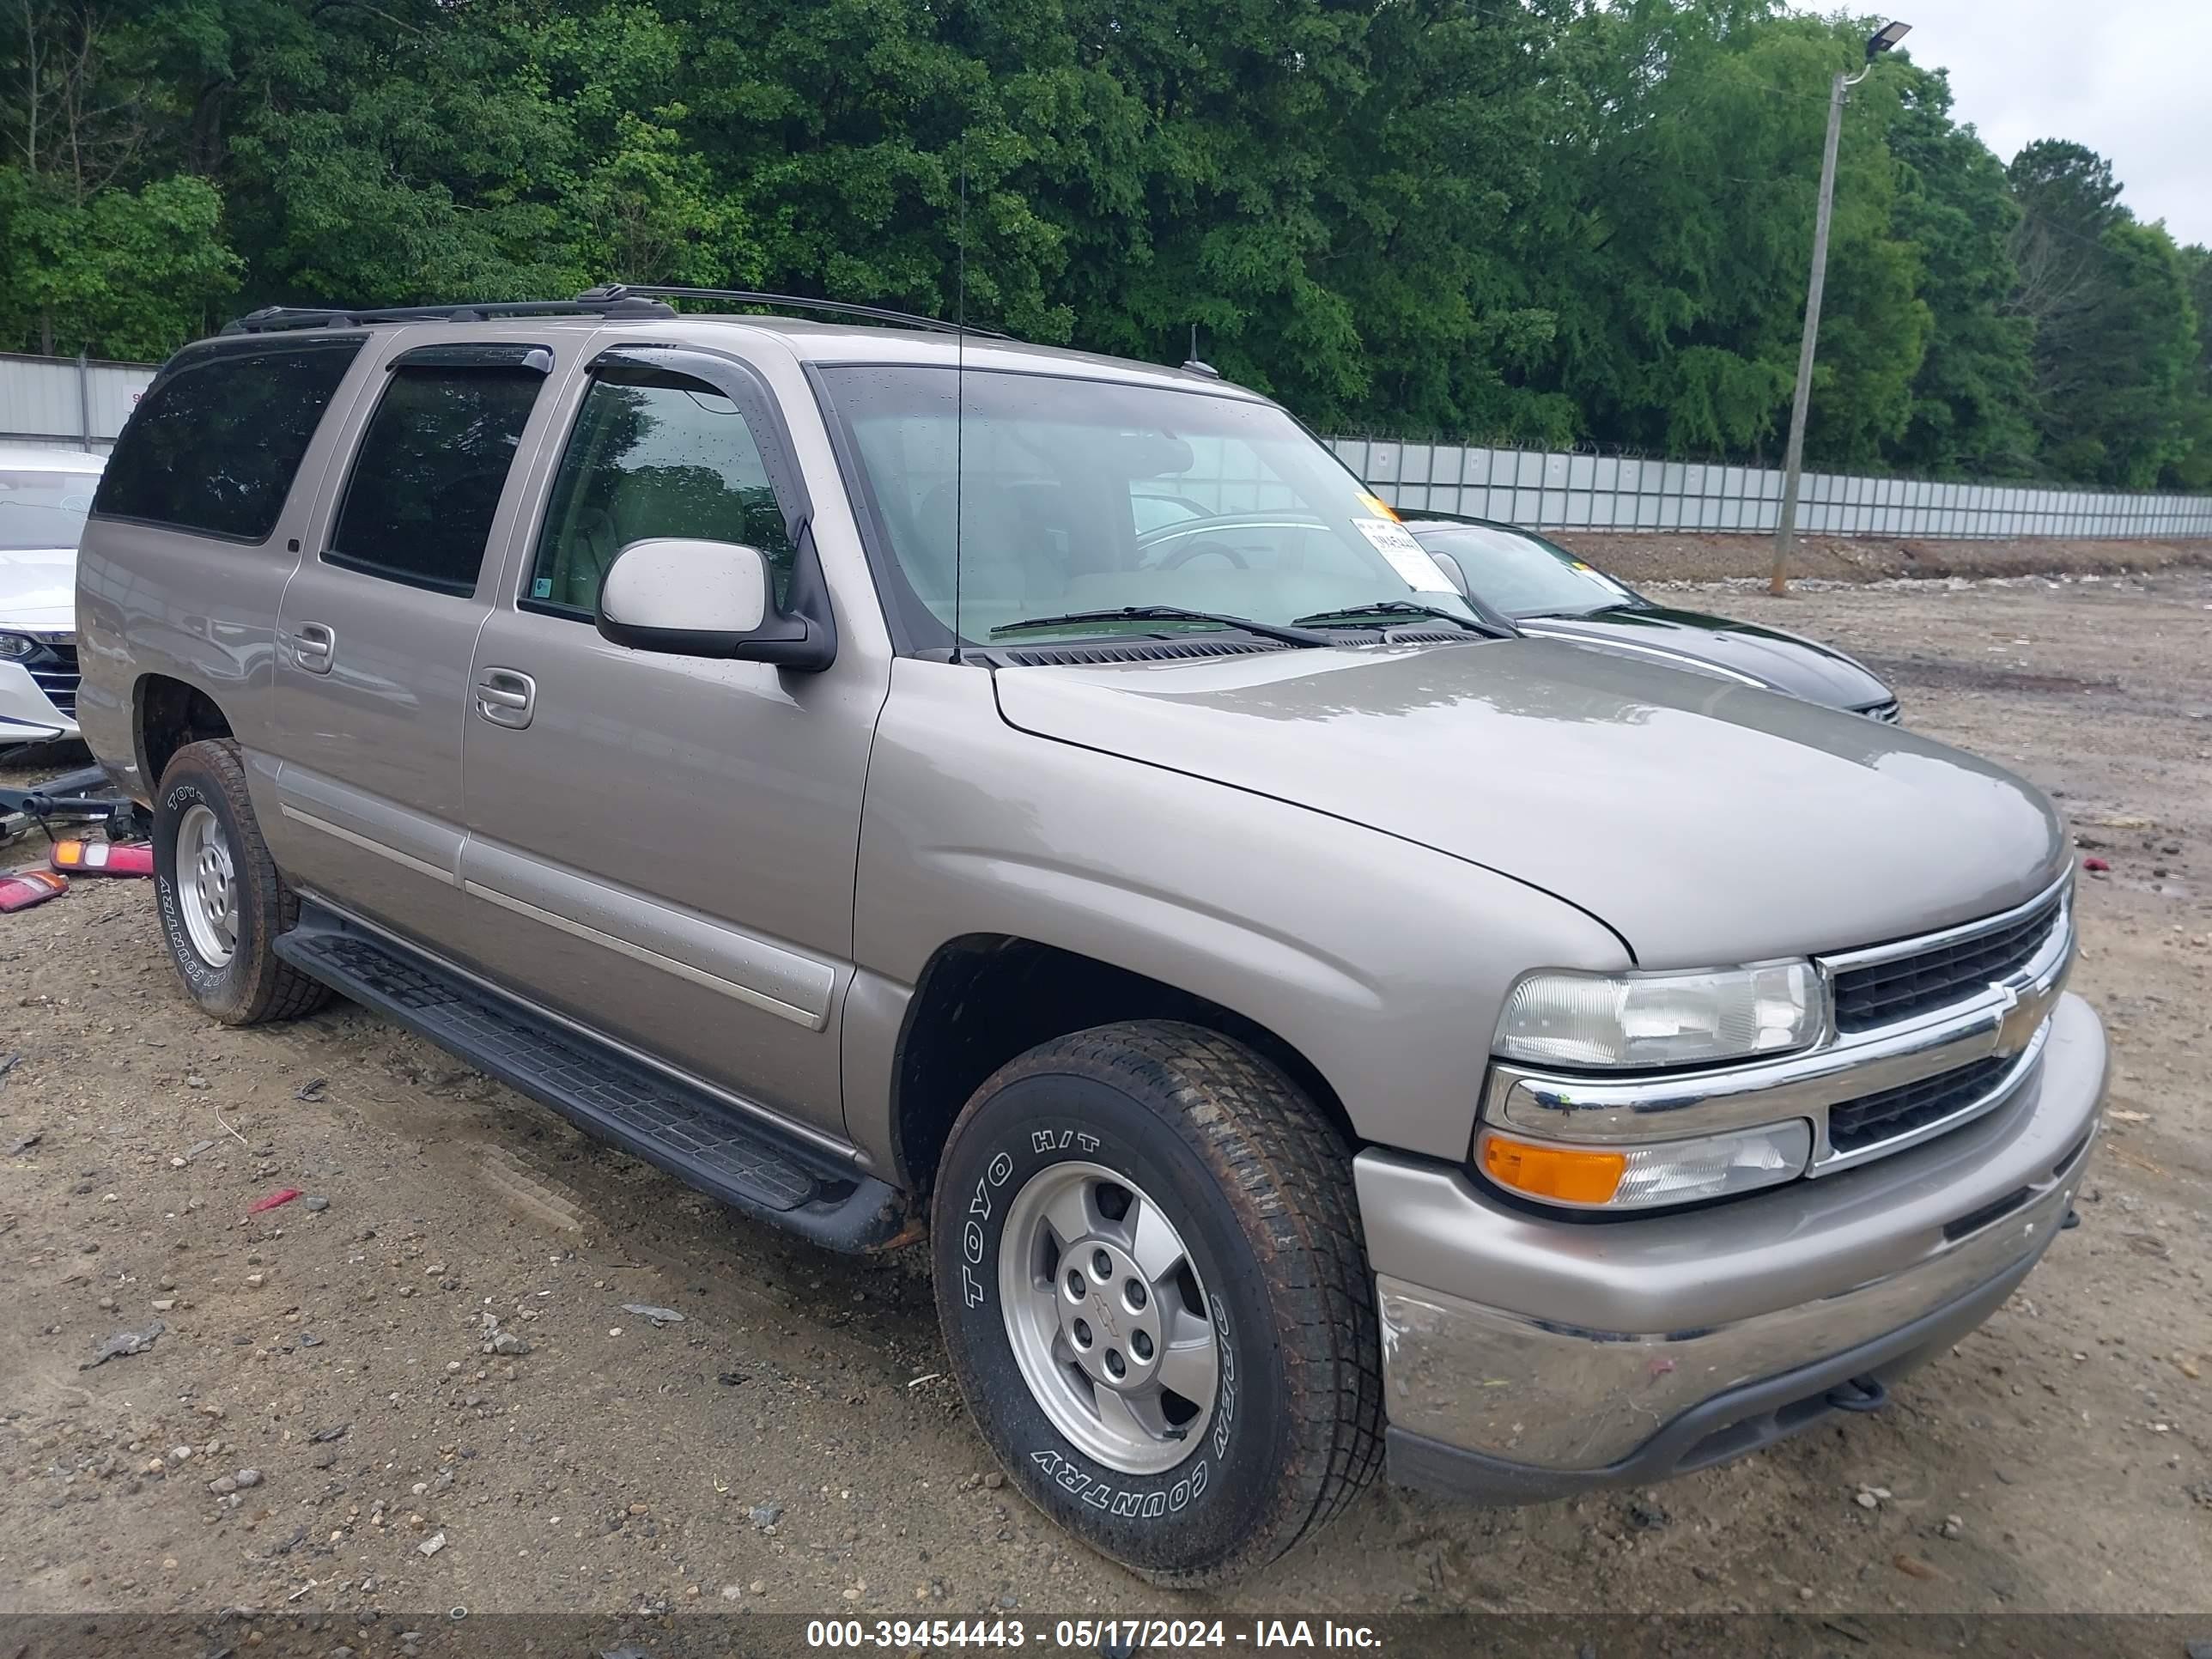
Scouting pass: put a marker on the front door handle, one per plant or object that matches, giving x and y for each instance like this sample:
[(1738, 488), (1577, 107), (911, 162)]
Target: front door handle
[(506, 698), (315, 647)]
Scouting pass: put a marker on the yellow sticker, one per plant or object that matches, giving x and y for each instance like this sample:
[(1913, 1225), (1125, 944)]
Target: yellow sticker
[(1379, 508)]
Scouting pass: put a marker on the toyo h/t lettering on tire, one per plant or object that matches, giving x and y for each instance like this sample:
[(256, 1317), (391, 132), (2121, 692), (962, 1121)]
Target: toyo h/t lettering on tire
[(220, 897), (1149, 1271)]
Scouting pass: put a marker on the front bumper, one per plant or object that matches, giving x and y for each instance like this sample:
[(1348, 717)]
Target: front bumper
[(1527, 1356), (28, 712)]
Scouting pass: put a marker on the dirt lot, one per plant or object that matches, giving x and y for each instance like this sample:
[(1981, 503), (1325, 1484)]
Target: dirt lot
[(1665, 557), (793, 1444)]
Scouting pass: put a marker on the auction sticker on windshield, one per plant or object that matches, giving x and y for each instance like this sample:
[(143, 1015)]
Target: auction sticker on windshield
[(1408, 557)]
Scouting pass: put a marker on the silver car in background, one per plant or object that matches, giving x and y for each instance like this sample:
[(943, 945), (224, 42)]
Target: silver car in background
[(43, 496)]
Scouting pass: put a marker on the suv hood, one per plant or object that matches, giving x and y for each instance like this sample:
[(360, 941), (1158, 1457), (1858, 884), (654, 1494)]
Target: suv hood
[(1786, 662), (1706, 822), (37, 588)]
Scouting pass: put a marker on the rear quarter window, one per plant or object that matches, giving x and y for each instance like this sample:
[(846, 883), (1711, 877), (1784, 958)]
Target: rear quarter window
[(216, 442)]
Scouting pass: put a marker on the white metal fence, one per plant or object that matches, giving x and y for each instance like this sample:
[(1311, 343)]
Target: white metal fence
[(67, 403), (74, 404), (1551, 491)]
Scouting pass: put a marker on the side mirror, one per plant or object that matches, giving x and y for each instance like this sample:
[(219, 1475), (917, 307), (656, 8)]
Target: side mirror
[(1450, 568), (700, 598)]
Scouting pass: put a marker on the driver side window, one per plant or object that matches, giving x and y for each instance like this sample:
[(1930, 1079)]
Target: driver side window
[(652, 456)]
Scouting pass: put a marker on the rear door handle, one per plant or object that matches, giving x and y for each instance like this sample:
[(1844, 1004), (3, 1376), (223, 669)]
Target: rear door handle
[(506, 698), (315, 647)]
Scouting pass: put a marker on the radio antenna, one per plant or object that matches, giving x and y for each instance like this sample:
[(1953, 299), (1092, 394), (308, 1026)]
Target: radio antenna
[(1193, 363), (959, 399)]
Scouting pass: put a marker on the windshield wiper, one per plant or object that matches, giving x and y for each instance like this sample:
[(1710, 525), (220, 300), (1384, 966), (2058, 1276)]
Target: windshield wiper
[(1291, 636), (1351, 616)]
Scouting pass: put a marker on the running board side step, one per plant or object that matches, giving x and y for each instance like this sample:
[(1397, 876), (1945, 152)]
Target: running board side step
[(746, 1163)]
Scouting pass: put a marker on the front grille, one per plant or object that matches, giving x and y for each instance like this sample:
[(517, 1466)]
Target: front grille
[(1883, 992), (56, 674), (1860, 1123)]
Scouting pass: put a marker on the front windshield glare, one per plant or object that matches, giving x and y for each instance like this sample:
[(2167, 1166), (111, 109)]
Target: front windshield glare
[(1521, 574), (1081, 496)]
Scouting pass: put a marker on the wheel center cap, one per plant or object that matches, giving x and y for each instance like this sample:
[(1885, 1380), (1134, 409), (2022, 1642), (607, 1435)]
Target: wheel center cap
[(1109, 1315)]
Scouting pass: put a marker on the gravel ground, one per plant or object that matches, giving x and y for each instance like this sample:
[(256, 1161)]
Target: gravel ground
[(1677, 558), (320, 1408)]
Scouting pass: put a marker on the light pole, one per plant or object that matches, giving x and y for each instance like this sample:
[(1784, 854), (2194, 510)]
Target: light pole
[(1793, 461)]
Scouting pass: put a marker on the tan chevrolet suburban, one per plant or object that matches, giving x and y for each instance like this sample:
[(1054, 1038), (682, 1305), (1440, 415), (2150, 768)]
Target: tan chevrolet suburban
[(1308, 1021)]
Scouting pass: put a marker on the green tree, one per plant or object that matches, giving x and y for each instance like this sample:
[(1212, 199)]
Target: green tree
[(1681, 270), (1969, 401), (845, 129), (122, 274), (1545, 222), (2117, 356), (98, 251), (398, 159), (2192, 469), (1430, 176)]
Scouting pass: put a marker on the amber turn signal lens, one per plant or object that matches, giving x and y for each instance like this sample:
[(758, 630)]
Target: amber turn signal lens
[(68, 855), (1561, 1173)]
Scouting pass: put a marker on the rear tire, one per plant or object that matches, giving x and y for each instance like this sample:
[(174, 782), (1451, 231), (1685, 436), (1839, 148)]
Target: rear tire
[(1155, 1299), (222, 901)]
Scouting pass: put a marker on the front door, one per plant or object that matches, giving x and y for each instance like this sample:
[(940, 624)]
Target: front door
[(378, 626), (662, 848)]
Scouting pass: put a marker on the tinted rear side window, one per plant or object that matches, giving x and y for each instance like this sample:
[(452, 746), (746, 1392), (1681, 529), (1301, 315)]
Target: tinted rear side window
[(215, 443), (427, 482)]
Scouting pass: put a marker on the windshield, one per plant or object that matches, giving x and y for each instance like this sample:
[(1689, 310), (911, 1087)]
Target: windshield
[(43, 509), (1522, 573), (1081, 496)]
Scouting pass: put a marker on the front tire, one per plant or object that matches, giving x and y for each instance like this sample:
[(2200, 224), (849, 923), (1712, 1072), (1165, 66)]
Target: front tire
[(222, 901), (1150, 1279)]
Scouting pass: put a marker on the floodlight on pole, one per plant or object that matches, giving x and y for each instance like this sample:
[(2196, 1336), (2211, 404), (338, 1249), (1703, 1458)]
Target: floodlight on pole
[(1793, 462)]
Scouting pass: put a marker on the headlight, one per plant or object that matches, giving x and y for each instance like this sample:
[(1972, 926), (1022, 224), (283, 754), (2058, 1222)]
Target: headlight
[(1637, 1177), (1661, 1019), (17, 647)]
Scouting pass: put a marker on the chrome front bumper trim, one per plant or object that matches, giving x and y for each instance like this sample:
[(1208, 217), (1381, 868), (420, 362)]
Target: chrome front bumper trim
[(26, 713), (2008, 1019), (1526, 1391), (1558, 1346)]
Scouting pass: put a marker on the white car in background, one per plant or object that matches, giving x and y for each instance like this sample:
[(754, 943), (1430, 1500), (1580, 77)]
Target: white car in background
[(43, 496)]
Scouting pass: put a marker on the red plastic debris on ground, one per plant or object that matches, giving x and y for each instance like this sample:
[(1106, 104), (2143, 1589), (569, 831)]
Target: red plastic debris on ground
[(273, 1200), (29, 887), (2095, 864), (100, 858)]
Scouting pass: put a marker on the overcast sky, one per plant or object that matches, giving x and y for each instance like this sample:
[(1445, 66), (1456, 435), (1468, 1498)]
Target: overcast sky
[(2126, 77)]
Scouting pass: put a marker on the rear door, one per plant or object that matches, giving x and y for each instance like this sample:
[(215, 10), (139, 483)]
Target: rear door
[(380, 622), (663, 847), (195, 532)]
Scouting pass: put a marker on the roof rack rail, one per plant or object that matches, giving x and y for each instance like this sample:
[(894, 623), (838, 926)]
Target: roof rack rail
[(272, 318), (616, 293)]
